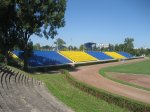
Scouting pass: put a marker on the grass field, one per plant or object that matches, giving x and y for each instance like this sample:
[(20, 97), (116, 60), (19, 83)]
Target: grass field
[(79, 101), (137, 68)]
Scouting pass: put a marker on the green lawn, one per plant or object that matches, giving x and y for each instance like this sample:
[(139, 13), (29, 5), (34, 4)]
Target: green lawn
[(137, 68), (73, 97)]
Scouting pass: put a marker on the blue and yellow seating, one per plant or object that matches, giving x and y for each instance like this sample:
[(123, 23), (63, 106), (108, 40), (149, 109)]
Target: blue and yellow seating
[(44, 58), (127, 55), (78, 56), (99, 55), (115, 55)]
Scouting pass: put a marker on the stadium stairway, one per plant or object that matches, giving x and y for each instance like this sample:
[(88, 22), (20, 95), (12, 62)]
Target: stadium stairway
[(21, 93)]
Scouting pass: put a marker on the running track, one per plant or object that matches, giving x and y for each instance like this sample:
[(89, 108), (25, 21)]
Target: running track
[(90, 75)]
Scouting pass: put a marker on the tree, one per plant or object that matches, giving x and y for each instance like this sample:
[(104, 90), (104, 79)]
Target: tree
[(40, 17), (119, 47), (128, 45), (81, 48), (47, 47), (70, 47), (116, 47), (29, 46), (60, 44), (148, 51), (8, 31), (36, 46), (75, 48), (111, 47)]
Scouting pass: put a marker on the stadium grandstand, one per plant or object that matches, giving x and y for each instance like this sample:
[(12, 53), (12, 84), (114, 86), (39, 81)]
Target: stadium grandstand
[(55, 58)]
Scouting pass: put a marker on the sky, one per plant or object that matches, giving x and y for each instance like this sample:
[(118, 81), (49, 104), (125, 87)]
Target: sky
[(104, 21)]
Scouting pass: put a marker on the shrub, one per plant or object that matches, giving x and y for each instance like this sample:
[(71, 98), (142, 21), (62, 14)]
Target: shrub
[(1, 58)]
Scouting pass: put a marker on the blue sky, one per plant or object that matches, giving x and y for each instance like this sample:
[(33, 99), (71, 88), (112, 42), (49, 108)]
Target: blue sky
[(104, 21)]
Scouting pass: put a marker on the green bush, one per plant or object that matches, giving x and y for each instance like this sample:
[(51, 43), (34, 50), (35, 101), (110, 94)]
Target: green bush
[(123, 102), (1, 58)]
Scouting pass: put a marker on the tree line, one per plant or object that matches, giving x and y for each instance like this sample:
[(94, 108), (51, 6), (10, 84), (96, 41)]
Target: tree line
[(126, 46), (19, 19)]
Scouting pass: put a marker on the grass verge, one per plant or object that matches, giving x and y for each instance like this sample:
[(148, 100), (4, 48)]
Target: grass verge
[(78, 100)]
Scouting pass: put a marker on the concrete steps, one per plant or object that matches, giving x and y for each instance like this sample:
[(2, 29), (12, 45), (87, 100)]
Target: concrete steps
[(21, 93)]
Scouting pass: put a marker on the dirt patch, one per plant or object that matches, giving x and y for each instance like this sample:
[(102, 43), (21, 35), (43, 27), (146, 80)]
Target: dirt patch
[(90, 75), (138, 79)]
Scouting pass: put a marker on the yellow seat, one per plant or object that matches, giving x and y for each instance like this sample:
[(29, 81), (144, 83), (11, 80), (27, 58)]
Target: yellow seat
[(16, 58), (115, 55), (78, 56)]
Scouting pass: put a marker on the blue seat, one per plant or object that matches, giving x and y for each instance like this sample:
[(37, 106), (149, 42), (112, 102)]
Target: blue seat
[(127, 55), (44, 58), (99, 55)]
